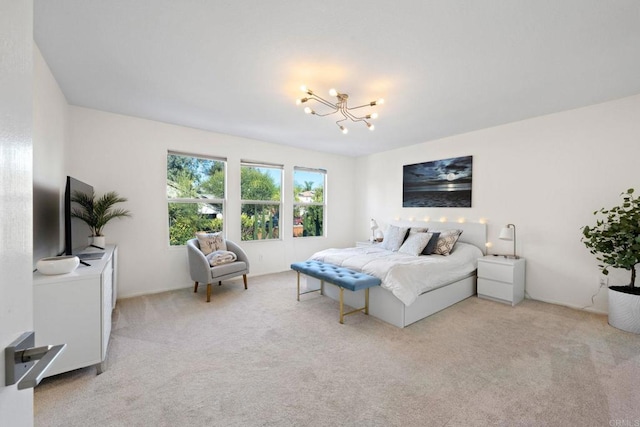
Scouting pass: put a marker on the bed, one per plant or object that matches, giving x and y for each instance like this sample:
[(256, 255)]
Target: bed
[(407, 294)]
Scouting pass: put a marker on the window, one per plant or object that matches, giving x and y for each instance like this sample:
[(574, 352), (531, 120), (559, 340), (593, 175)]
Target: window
[(309, 202), (195, 194), (260, 193)]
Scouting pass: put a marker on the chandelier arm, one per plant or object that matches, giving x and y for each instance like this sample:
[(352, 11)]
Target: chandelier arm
[(323, 101), (353, 117), (327, 114), (364, 105)]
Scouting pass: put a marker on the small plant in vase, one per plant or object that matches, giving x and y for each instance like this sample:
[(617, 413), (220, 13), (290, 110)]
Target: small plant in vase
[(97, 212), (615, 241)]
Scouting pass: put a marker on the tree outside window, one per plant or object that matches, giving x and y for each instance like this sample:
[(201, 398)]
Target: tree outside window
[(261, 190), (309, 202), (195, 195)]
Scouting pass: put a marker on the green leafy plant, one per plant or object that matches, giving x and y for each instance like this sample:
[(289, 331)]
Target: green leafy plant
[(615, 239), (97, 212)]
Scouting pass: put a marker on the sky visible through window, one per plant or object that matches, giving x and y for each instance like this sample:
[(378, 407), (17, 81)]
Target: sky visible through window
[(304, 176), (300, 177)]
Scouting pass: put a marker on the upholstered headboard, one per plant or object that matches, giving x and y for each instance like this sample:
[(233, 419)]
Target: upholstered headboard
[(472, 232)]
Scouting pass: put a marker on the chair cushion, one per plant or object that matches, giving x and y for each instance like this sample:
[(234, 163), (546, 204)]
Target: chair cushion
[(224, 269)]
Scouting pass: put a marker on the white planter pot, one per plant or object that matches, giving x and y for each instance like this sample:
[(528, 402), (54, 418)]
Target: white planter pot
[(57, 265), (99, 241), (624, 311)]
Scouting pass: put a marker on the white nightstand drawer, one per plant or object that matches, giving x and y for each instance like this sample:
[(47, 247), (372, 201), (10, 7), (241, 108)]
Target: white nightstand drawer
[(498, 290), (495, 271)]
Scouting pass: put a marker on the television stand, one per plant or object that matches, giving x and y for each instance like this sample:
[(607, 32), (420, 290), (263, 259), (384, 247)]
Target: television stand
[(75, 309)]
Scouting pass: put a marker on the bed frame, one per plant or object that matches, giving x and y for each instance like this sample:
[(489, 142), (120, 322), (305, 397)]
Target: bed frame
[(385, 306)]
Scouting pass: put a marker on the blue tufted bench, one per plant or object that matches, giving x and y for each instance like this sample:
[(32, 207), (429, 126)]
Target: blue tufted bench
[(339, 276)]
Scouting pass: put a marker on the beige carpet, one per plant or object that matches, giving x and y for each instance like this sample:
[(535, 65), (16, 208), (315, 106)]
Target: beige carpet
[(260, 358)]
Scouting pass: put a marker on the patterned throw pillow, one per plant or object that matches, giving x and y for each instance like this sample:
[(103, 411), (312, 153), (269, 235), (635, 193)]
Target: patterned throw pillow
[(447, 241), (393, 238), (415, 243), (210, 242)]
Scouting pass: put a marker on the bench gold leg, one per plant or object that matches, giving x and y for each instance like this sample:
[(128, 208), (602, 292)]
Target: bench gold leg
[(341, 306), (366, 301)]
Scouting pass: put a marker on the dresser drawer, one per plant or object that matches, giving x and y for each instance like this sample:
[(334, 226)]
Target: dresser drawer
[(495, 271), (493, 289)]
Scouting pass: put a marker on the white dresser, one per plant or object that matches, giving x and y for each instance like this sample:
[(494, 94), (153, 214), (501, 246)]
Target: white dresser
[(501, 279), (75, 309)]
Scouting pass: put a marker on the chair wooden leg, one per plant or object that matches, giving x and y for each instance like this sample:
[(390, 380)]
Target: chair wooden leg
[(208, 292), (195, 287), (244, 277)]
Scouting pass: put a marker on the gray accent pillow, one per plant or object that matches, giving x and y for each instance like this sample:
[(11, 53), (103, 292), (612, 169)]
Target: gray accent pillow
[(431, 246), (415, 243), (393, 238)]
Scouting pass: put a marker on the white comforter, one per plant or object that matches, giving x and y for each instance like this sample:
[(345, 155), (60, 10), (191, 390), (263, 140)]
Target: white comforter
[(406, 276)]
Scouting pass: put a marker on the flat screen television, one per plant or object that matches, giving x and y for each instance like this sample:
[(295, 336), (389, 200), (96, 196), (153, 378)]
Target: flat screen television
[(76, 232)]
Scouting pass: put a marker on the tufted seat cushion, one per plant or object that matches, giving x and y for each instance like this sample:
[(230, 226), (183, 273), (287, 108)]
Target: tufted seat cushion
[(340, 276)]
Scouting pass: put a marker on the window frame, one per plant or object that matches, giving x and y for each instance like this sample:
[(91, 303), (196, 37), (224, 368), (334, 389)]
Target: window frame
[(183, 200), (297, 204), (258, 202)]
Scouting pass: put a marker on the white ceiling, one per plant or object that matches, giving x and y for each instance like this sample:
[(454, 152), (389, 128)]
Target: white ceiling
[(444, 67)]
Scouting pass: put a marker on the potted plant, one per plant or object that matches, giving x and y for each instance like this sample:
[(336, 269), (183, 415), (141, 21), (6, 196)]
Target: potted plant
[(97, 212), (615, 241)]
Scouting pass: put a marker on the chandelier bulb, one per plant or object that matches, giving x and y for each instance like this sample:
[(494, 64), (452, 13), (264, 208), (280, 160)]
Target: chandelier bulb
[(380, 101), (344, 130), (308, 110), (298, 101), (333, 92), (370, 126), (374, 115), (303, 88)]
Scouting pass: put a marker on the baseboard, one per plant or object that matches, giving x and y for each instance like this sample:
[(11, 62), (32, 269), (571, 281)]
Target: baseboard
[(564, 304)]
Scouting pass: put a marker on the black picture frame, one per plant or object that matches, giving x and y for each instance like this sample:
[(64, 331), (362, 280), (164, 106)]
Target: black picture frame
[(445, 183)]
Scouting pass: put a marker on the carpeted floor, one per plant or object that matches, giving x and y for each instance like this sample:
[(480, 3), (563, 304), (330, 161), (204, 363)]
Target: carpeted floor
[(260, 358)]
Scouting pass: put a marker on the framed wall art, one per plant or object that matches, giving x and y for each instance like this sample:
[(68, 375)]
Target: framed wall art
[(442, 183)]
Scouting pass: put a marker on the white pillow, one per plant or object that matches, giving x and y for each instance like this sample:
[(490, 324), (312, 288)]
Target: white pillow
[(415, 243), (210, 242), (393, 238)]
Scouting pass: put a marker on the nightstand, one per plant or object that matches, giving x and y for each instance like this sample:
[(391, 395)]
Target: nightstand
[(501, 279)]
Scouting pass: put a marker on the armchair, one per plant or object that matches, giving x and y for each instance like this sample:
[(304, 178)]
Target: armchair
[(202, 272)]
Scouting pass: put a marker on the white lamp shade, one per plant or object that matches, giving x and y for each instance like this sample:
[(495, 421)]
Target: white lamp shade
[(373, 224), (506, 233)]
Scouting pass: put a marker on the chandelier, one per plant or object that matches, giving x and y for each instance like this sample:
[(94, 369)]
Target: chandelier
[(339, 107)]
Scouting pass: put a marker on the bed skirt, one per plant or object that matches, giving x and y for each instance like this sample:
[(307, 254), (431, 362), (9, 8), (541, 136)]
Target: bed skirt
[(385, 306)]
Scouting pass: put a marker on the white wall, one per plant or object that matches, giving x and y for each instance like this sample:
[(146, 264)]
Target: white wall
[(50, 120), (546, 175), (128, 155)]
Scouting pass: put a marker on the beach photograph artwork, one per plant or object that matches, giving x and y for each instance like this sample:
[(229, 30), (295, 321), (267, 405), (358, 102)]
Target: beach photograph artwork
[(442, 183)]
